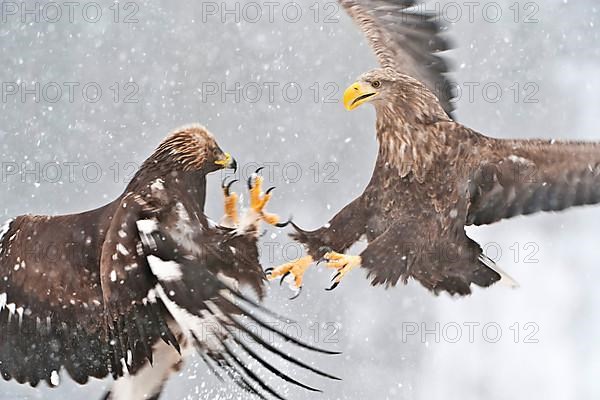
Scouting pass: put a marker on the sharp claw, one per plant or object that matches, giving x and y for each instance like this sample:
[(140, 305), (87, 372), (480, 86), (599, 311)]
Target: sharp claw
[(284, 224), (223, 182), (336, 275), (283, 278), (252, 176), (333, 287), (297, 294), (231, 183), (323, 259), (270, 190), (227, 188), (268, 271)]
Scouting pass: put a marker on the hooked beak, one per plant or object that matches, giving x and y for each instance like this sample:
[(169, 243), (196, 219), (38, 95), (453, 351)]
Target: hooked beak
[(227, 162), (358, 94)]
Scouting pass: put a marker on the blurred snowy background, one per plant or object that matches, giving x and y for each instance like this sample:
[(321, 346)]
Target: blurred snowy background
[(158, 67)]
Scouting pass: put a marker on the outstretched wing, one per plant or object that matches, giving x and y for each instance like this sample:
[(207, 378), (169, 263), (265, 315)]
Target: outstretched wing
[(50, 299), (524, 177), (168, 276), (406, 41), (450, 265)]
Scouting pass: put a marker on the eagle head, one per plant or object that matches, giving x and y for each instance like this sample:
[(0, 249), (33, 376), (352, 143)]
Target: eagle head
[(192, 148), (386, 87), (370, 87)]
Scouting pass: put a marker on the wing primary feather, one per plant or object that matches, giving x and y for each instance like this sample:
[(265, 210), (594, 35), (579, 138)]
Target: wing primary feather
[(204, 357), (165, 332), (114, 359), (281, 334), (250, 373), (258, 306), (238, 378), (275, 350), (268, 366), (144, 342)]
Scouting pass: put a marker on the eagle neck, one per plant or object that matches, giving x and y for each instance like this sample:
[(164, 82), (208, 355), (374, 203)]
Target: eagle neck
[(407, 140)]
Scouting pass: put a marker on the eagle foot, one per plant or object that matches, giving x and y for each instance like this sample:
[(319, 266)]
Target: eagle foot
[(292, 273), (342, 263), (231, 217), (258, 200)]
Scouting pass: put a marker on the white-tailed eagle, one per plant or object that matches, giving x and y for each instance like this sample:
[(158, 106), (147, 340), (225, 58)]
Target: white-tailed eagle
[(434, 176)]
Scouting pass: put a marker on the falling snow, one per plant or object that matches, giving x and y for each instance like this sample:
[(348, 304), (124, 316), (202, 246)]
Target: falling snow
[(170, 55)]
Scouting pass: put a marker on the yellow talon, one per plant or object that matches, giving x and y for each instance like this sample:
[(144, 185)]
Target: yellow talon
[(266, 198), (296, 269), (231, 210), (231, 217), (258, 200), (271, 219), (342, 263)]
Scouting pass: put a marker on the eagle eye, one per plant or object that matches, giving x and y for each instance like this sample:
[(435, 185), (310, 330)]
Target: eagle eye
[(376, 84)]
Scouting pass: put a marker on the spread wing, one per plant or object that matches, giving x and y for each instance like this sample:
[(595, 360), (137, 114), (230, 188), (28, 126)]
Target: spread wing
[(407, 41), (50, 299), (524, 177), (165, 272)]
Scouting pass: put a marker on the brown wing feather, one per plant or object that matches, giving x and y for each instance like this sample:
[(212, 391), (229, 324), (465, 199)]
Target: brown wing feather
[(524, 177), (406, 41), (50, 298)]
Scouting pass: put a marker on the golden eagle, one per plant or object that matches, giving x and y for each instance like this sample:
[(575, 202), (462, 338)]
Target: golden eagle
[(433, 176), (136, 284)]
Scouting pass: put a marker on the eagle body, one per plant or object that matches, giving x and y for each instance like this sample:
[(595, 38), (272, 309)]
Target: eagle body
[(130, 288)]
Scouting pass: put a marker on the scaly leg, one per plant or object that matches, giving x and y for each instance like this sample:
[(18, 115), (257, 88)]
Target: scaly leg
[(231, 218), (342, 263)]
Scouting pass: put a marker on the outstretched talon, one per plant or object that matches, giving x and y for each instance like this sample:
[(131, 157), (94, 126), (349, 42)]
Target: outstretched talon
[(292, 273), (231, 217), (342, 263), (258, 200)]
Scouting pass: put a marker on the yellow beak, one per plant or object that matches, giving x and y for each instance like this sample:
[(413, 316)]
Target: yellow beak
[(358, 94), (227, 162)]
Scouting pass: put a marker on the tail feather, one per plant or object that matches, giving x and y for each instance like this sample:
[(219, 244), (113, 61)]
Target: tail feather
[(505, 279)]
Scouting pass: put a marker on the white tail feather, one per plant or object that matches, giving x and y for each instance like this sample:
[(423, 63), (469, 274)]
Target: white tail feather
[(505, 279)]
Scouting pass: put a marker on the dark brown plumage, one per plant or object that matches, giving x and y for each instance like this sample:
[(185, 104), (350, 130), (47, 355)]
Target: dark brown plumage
[(434, 176), (135, 282)]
